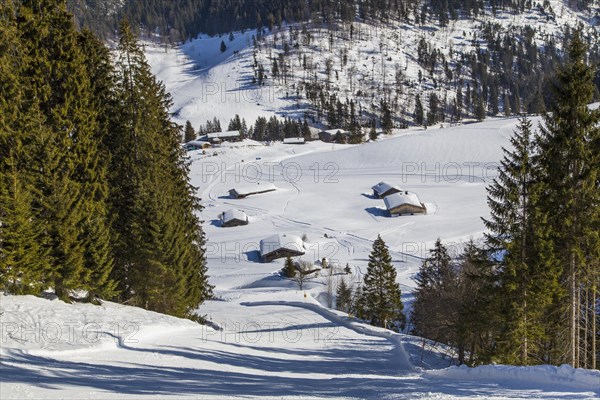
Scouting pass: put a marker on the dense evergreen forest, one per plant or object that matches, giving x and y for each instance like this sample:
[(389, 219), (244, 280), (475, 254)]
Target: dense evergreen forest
[(184, 19), (94, 190)]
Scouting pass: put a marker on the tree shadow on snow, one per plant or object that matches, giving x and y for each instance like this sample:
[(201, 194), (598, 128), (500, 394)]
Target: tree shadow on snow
[(146, 380), (377, 212)]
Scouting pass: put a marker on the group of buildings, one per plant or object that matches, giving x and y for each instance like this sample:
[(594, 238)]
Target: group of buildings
[(214, 139), (397, 201)]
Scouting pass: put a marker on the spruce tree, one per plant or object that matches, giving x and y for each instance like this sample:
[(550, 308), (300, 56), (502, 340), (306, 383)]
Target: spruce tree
[(373, 131), (289, 269), (527, 272), (97, 236), (69, 167), (343, 296), (419, 117), (189, 133), (381, 298), (386, 120), (569, 147), (431, 312), (159, 257), (23, 251)]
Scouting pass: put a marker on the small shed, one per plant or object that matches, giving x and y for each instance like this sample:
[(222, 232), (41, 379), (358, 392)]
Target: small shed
[(280, 246), (404, 203), (245, 191), (233, 217), (196, 145), (294, 140), (328, 136), (383, 189)]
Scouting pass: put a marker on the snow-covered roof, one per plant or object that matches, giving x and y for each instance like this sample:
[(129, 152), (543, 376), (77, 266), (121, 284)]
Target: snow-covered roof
[(254, 188), (293, 140), (232, 214), (243, 143), (198, 143), (218, 135), (335, 131), (281, 241), (383, 187), (398, 199)]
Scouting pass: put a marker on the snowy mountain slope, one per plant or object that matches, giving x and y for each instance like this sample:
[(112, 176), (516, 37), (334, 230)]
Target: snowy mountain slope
[(206, 83), (324, 193), (380, 61), (272, 340)]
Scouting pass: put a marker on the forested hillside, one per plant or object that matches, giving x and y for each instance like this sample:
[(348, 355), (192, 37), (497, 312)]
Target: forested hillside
[(95, 200), (384, 64)]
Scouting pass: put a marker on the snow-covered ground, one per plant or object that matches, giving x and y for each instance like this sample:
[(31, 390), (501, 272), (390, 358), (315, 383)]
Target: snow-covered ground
[(270, 346), (266, 338)]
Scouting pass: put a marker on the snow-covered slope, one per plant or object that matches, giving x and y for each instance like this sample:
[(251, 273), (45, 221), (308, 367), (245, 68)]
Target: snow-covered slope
[(270, 346), (266, 338)]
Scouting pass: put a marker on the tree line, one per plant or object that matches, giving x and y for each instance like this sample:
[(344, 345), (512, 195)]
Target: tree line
[(94, 193), (531, 295), (185, 19)]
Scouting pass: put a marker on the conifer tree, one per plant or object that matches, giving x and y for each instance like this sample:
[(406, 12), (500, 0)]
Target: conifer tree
[(23, 252), (343, 296), (289, 269), (570, 193), (97, 236), (386, 121), (478, 106), (381, 298), (373, 131), (419, 117), (431, 312), (478, 301), (159, 257), (306, 134), (189, 133), (527, 273), (69, 166)]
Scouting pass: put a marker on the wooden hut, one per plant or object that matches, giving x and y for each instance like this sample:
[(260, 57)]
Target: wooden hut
[(404, 204), (383, 189), (280, 246), (196, 145), (233, 217), (294, 140), (329, 136), (245, 191)]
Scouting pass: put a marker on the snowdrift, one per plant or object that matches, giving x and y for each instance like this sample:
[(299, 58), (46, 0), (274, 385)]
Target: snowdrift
[(541, 375)]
